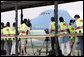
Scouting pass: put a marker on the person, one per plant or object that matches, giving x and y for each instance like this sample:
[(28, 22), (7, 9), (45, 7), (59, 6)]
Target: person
[(29, 28), (6, 32), (79, 29), (2, 41), (2, 26), (13, 32), (64, 40), (3, 51), (72, 38), (52, 30), (22, 31), (29, 25)]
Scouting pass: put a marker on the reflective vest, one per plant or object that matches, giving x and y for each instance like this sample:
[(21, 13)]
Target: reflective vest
[(6, 31), (22, 29), (52, 27), (79, 28), (1, 32), (72, 30), (63, 28)]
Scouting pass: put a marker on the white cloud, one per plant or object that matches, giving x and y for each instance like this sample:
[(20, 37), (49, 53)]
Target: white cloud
[(30, 13), (34, 12), (74, 12), (73, 8)]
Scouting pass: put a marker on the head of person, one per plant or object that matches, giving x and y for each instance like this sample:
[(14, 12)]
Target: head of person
[(25, 20), (28, 23), (76, 17), (28, 20), (52, 19), (72, 22), (14, 24), (61, 19), (8, 24), (2, 24)]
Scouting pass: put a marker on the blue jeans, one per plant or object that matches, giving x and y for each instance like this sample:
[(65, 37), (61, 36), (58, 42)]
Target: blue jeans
[(64, 39), (8, 47), (81, 44)]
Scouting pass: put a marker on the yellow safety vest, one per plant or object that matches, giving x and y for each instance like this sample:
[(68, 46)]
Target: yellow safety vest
[(22, 28), (71, 31), (7, 30), (52, 27), (1, 32), (63, 26), (79, 23)]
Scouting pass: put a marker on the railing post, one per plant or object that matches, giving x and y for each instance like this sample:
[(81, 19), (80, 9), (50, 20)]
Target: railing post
[(56, 28), (21, 15), (16, 27)]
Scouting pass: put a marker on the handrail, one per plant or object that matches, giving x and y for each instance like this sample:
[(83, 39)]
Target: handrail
[(43, 36)]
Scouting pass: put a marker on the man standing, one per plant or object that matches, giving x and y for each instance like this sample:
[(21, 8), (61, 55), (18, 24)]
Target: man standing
[(64, 40), (22, 31), (79, 29), (3, 52), (2, 41), (6, 32), (13, 49), (52, 30), (72, 38)]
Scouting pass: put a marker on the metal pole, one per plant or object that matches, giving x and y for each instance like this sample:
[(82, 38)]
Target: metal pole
[(46, 45), (56, 28), (16, 19), (21, 15), (32, 47)]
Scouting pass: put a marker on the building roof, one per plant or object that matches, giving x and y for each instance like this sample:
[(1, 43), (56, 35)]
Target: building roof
[(10, 5)]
